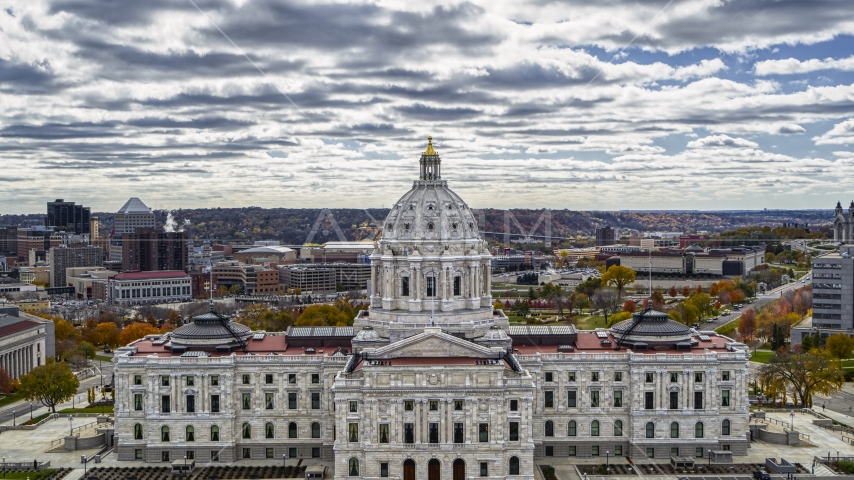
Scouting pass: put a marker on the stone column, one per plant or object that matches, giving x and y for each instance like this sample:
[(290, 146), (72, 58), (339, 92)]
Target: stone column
[(373, 279)]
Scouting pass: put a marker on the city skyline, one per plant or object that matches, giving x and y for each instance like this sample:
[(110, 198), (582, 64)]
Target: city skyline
[(686, 105)]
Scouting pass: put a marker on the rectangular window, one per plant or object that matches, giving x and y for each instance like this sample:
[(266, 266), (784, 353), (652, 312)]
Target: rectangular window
[(650, 452), (245, 379), (549, 377), (268, 400), (458, 284), (550, 451), (594, 450), (698, 452), (594, 376), (618, 450), (618, 398), (433, 432), (268, 378), (191, 381), (315, 400), (648, 400), (164, 456), (292, 378), (571, 376), (650, 377), (292, 400), (315, 378), (191, 404), (268, 452), (246, 401), (458, 405), (247, 453), (698, 377), (215, 403), (484, 470), (618, 376), (483, 432), (571, 451), (214, 380), (404, 286), (434, 405), (674, 377), (409, 405), (514, 431), (383, 433), (137, 454), (724, 398), (459, 435), (674, 451), (726, 448), (354, 407), (315, 452), (137, 379), (725, 375), (698, 400), (165, 404), (292, 452), (548, 399), (383, 470), (164, 381), (431, 286), (214, 455), (408, 433), (514, 405), (594, 398), (137, 401), (570, 398), (674, 400), (353, 432)]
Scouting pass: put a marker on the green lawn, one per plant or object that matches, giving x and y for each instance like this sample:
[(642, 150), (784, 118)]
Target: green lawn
[(848, 363), (589, 322), (103, 358), (761, 356), (106, 409), (31, 475), (37, 419), (8, 399)]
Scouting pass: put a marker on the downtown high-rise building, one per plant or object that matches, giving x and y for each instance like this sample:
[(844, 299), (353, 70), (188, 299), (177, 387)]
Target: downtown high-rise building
[(150, 249), (67, 217), (134, 214)]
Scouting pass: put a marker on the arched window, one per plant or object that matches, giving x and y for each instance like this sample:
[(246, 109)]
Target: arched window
[(315, 430), (514, 465), (650, 430), (698, 430), (214, 433), (137, 432), (594, 428), (618, 428), (268, 431), (674, 430), (571, 429), (247, 430), (164, 433), (292, 430), (354, 467), (725, 427), (550, 428), (191, 433)]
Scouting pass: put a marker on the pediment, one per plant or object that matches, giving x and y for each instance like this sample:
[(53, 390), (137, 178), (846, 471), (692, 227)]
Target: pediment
[(432, 343)]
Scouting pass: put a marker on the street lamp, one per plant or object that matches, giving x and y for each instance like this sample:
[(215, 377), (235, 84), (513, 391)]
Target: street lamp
[(184, 471), (837, 457), (31, 410), (284, 457), (710, 458), (4, 467), (85, 464), (607, 465), (792, 415), (71, 425), (13, 418)]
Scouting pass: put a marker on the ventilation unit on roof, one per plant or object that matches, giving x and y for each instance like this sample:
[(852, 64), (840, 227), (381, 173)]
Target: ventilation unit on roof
[(309, 350), (601, 334), (605, 342), (259, 336), (223, 349), (565, 348), (705, 338)]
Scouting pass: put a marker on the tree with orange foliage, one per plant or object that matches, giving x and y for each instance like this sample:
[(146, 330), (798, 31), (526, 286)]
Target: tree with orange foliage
[(736, 296), (672, 292), (108, 333), (6, 382), (686, 290), (747, 324), (699, 289), (135, 331), (630, 306)]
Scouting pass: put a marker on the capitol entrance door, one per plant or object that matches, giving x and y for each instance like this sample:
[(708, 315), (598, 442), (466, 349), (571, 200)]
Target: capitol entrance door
[(459, 469), (409, 470), (433, 469)]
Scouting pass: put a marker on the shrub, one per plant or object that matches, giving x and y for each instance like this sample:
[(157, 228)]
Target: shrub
[(845, 466)]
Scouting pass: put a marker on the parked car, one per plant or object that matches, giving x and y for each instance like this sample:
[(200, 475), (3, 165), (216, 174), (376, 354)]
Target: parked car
[(696, 325), (107, 350), (761, 475)]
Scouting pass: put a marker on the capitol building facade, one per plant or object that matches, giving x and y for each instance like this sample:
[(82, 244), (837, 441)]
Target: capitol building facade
[(431, 382)]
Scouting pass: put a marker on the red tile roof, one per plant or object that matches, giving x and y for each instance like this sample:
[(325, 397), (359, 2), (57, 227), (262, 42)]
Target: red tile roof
[(17, 327), (150, 275)]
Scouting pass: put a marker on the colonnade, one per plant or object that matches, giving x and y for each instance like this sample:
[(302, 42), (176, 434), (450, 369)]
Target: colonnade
[(18, 362)]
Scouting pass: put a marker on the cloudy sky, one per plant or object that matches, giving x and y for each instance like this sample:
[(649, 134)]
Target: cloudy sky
[(628, 104)]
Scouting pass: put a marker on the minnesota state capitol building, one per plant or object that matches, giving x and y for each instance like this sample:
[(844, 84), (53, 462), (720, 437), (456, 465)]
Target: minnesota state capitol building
[(431, 382)]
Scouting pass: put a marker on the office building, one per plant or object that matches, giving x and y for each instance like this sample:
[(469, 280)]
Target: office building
[(8, 241), (133, 214), (604, 236), (141, 288), (150, 249), (307, 278), (68, 217)]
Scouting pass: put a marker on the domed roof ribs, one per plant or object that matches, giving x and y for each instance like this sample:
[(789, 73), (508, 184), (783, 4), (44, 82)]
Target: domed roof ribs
[(637, 320)]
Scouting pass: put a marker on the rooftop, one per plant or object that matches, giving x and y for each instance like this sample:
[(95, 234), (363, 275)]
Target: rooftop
[(150, 275), (134, 205)]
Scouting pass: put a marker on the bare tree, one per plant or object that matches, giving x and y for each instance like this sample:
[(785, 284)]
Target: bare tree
[(608, 301)]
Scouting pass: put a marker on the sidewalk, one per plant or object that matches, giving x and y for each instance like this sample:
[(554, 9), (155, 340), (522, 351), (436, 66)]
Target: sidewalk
[(22, 407)]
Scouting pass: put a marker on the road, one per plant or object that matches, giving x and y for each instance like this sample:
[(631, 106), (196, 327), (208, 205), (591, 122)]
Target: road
[(761, 300), (22, 410)]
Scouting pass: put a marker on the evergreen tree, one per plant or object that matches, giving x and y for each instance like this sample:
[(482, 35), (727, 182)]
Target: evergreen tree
[(778, 337)]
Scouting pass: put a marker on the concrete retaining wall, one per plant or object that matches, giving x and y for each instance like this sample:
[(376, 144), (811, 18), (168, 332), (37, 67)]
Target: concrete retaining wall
[(777, 438), (73, 443)]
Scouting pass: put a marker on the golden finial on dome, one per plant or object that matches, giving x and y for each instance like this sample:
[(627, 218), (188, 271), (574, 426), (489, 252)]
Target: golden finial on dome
[(430, 150)]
